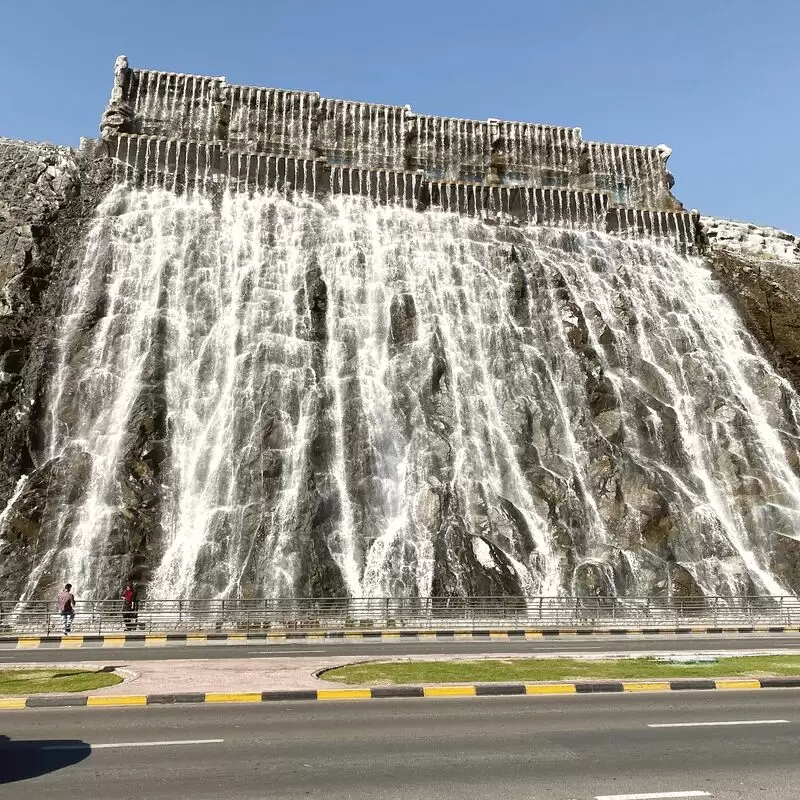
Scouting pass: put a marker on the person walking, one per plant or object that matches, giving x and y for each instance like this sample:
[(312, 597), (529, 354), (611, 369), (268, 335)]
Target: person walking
[(66, 607), (129, 606)]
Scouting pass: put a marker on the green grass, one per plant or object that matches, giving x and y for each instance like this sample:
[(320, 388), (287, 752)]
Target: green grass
[(33, 681), (557, 669)]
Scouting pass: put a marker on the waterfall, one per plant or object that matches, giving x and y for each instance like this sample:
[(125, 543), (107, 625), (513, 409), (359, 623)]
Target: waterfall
[(270, 395)]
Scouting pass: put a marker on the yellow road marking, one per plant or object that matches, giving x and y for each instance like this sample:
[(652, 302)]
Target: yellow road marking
[(155, 640), (12, 703), (550, 688), (354, 636), (113, 641), (449, 691), (233, 697), (236, 637), (342, 694), (196, 638), (28, 642), (498, 634), (656, 686), (119, 700), (391, 635), (533, 634), (72, 641), (426, 634), (738, 684)]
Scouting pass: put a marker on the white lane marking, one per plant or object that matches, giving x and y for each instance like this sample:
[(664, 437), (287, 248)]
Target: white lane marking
[(275, 652), (650, 796), (129, 744), (713, 724)]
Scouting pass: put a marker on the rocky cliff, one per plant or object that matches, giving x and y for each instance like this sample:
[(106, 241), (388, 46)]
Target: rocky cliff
[(760, 266), (38, 182), (559, 424), (48, 196)]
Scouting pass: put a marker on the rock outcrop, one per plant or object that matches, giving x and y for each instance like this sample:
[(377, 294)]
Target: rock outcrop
[(37, 183), (760, 267)]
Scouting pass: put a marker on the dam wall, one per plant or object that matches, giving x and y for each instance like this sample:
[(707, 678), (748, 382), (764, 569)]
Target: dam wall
[(187, 132)]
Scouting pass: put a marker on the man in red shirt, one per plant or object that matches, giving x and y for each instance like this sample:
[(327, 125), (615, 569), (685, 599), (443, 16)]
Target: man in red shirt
[(66, 607), (129, 606)]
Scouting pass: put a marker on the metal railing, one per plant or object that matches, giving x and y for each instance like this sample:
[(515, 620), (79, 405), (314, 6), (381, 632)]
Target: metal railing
[(387, 613)]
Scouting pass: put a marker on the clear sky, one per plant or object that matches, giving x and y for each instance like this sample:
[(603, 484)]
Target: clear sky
[(717, 80)]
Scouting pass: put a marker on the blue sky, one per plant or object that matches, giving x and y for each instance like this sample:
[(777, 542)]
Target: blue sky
[(717, 80)]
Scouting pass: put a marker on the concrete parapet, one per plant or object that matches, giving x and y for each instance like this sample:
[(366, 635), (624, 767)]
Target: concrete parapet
[(303, 125), (183, 165), (677, 228), (186, 132)]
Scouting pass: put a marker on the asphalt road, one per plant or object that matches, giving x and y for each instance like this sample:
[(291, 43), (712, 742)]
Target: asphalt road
[(333, 648), (565, 748)]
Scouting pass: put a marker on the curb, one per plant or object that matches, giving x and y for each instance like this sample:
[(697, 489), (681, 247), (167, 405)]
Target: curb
[(396, 692), (77, 641)]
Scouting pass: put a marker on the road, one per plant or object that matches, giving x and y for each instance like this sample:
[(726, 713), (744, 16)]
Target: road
[(408, 647), (566, 748)]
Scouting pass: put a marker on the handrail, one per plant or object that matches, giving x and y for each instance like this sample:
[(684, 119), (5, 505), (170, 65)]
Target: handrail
[(383, 613)]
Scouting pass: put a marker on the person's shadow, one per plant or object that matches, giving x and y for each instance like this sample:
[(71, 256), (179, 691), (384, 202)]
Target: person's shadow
[(21, 760)]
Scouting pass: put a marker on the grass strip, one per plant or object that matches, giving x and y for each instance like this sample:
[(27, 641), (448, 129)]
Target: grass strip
[(35, 681), (557, 669)]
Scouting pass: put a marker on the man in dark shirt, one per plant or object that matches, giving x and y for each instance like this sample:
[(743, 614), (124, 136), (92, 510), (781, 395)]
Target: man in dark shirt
[(66, 607)]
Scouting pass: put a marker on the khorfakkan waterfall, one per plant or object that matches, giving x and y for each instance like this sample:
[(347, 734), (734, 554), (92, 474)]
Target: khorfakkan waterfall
[(266, 380)]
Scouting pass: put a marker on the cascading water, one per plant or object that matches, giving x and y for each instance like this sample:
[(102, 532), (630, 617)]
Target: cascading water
[(361, 399)]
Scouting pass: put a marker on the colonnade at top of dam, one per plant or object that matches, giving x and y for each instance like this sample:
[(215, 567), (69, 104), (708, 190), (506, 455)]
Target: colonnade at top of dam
[(174, 130)]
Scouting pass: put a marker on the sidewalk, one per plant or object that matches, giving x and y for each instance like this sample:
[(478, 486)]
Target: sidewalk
[(217, 675)]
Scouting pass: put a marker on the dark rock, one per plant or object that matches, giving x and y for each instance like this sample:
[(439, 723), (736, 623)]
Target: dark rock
[(403, 319), (767, 293)]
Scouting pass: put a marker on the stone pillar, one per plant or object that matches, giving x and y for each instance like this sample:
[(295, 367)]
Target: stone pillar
[(118, 113)]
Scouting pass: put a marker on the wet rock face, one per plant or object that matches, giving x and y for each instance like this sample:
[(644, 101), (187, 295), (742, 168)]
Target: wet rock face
[(37, 508), (403, 316), (760, 268), (485, 411), (47, 200)]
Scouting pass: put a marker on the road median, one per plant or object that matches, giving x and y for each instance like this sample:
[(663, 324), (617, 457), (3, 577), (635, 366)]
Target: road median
[(543, 669)]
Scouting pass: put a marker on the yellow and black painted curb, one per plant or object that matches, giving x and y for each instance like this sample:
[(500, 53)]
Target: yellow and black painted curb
[(394, 692), (25, 642)]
